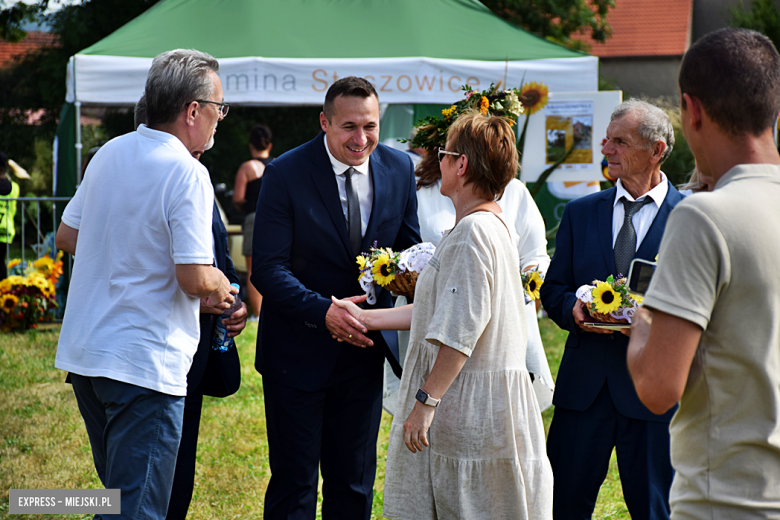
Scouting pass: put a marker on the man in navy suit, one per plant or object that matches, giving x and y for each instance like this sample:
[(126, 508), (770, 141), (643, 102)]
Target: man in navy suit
[(320, 206), (596, 406)]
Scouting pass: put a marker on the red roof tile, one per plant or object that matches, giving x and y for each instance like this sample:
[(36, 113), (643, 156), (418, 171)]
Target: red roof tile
[(32, 41), (645, 28)]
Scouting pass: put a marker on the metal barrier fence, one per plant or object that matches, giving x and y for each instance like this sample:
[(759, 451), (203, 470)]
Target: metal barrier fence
[(45, 237)]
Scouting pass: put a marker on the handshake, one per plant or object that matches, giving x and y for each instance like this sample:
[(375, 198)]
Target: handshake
[(348, 322)]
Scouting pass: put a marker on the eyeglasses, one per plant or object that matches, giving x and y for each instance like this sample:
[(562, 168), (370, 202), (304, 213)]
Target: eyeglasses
[(223, 107), (445, 152)]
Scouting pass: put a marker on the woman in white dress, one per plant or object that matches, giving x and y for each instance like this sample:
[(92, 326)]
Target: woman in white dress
[(436, 215), (481, 453)]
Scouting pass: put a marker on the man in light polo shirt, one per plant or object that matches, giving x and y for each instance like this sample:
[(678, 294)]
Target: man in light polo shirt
[(140, 229), (711, 336)]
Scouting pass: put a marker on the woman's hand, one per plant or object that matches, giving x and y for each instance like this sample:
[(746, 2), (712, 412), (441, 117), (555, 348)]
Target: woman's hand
[(416, 427), (348, 304)]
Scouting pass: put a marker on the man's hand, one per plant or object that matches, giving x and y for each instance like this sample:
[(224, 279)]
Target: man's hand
[(578, 311), (218, 308), (236, 322), (224, 292), (345, 327)]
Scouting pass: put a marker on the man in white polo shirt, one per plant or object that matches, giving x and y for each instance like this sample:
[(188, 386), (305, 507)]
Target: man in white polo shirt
[(140, 227)]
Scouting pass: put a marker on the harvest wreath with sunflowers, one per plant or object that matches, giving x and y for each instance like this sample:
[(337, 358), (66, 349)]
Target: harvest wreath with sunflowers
[(609, 301)]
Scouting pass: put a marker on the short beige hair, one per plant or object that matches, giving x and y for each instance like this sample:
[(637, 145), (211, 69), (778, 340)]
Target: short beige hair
[(489, 144)]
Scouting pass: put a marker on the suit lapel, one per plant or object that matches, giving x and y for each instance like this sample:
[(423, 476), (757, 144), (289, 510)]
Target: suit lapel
[(378, 181), (605, 208), (648, 249), (323, 178)]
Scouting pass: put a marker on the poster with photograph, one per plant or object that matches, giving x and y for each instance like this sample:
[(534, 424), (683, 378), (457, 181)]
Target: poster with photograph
[(570, 119), (569, 124)]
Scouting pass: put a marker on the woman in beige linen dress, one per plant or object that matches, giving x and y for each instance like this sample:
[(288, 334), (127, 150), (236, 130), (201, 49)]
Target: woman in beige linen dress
[(481, 453)]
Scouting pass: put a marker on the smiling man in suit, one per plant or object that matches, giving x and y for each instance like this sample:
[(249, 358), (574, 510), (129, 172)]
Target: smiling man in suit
[(320, 206), (596, 406)]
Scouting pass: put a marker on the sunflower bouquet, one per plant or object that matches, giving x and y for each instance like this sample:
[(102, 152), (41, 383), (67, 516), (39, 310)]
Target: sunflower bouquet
[(394, 271), (27, 296), (532, 283), (609, 301)]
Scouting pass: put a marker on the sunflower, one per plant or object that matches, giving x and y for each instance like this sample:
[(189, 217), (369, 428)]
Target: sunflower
[(484, 104), (13, 263), (534, 96), (383, 271), (8, 302), (534, 284), (605, 298)]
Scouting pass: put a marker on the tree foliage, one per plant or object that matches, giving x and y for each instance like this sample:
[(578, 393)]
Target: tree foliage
[(762, 16), (557, 20), (36, 81)]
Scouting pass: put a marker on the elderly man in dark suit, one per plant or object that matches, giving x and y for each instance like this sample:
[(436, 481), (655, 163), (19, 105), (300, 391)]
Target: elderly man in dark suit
[(596, 406), (320, 206)]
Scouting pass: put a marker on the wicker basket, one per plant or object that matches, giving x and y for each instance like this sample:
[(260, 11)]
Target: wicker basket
[(403, 283), (604, 318)]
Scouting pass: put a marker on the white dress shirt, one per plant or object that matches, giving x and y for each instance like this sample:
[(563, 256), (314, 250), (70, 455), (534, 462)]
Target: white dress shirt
[(361, 183), (643, 218)]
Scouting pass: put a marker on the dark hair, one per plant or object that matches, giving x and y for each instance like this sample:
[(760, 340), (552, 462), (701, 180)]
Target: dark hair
[(176, 79), (351, 86), (735, 74), (489, 144), (260, 137), (139, 114), (428, 171), (3, 163)]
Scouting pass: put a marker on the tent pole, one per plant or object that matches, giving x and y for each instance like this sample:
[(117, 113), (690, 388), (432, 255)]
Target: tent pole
[(79, 146)]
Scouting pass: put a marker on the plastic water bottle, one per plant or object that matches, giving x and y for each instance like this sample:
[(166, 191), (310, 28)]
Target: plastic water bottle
[(219, 340)]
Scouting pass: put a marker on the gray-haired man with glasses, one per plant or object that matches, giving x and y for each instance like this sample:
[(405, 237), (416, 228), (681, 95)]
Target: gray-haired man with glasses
[(140, 227)]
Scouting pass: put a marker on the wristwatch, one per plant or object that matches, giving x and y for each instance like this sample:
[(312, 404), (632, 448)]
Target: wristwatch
[(426, 399)]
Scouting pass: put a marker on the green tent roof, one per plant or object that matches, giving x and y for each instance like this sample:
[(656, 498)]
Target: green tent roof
[(446, 29)]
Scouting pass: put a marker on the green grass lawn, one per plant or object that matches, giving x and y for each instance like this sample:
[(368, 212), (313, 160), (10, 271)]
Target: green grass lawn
[(43, 443)]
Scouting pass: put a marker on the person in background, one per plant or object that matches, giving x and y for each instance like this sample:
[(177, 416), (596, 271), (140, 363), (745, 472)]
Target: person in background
[(213, 373), (249, 178), (8, 189), (596, 407), (437, 215), (707, 334), (130, 330), (696, 183)]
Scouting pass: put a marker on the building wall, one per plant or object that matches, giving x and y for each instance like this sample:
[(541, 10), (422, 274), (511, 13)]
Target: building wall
[(649, 77)]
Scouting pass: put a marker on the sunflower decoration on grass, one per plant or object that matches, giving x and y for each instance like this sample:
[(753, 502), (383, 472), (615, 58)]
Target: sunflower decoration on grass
[(609, 301), (28, 297), (532, 284), (394, 271)]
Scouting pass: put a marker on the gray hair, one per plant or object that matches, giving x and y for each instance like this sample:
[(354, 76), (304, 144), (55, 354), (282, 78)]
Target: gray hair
[(654, 125), (176, 79)]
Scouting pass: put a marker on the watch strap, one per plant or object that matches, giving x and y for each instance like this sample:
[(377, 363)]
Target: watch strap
[(426, 399)]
